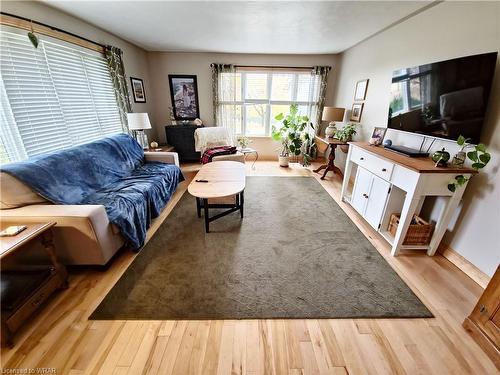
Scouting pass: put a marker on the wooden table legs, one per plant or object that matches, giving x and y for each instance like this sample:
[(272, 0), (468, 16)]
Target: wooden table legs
[(330, 166), (48, 245)]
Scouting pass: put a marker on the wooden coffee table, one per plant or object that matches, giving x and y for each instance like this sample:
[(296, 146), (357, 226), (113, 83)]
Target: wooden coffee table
[(224, 179)]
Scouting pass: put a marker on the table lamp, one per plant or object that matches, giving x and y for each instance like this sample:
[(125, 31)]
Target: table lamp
[(332, 114), (138, 122)]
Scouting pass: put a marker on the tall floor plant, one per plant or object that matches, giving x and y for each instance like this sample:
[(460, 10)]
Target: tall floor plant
[(293, 134)]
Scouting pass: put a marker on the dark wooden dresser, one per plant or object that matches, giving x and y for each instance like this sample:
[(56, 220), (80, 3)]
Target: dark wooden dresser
[(181, 137)]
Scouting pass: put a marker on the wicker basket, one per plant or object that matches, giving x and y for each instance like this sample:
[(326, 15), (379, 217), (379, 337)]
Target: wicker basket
[(419, 232)]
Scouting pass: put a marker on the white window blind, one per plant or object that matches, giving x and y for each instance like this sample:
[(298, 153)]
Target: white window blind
[(250, 100), (55, 96)]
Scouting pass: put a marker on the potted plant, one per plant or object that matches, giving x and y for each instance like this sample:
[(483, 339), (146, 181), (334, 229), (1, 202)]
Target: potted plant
[(284, 153), (244, 142), (345, 134), (461, 156), (292, 134), (480, 157)]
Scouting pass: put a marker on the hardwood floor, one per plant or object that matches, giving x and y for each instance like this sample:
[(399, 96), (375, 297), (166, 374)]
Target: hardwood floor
[(61, 337)]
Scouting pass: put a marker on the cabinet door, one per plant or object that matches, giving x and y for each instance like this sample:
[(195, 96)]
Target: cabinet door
[(377, 197), (484, 321), (182, 138), (487, 312), (361, 190)]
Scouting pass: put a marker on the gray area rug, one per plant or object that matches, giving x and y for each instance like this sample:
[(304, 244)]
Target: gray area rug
[(295, 254)]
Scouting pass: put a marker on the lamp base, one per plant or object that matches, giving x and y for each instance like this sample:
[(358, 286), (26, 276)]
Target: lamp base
[(330, 130), (142, 138)]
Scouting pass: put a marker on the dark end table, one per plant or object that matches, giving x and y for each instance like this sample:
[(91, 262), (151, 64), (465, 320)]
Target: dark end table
[(25, 288), (332, 143)]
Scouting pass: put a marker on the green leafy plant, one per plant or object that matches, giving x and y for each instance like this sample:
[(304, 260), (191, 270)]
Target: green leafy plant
[(244, 141), (310, 151), (464, 142), (293, 133), (479, 156), (32, 37), (345, 134)]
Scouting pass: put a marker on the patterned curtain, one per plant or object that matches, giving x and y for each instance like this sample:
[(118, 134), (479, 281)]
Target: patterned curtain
[(224, 90), (117, 70), (320, 72)]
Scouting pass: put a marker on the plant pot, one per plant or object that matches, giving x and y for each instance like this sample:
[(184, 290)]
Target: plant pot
[(459, 159), (283, 161)]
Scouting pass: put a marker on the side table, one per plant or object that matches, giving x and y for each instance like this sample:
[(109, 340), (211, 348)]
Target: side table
[(24, 289), (160, 148), (332, 143), (248, 150)]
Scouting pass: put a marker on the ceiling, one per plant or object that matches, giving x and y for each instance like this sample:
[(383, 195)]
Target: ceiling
[(304, 27)]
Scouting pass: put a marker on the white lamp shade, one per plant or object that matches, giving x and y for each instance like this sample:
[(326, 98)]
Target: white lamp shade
[(138, 121)]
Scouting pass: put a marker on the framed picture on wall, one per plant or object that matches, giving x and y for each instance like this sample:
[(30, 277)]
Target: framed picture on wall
[(138, 90), (356, 111), (184, 95), (361, 88)]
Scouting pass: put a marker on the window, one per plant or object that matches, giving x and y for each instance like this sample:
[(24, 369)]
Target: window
[(52, 97), (249, 100), (410, 89)]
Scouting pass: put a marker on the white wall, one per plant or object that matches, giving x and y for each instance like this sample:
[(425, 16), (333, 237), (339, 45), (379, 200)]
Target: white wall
[(161, 64), (447, 30), (134, 58)]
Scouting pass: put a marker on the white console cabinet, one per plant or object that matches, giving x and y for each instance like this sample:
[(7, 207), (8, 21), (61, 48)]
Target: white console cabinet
[(387, 183)]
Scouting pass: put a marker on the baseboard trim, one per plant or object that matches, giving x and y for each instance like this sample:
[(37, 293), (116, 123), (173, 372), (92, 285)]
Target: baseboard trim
[(464, 265)]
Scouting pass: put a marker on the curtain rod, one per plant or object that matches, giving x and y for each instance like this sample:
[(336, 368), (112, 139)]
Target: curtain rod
[(273, 67), (53, 28)]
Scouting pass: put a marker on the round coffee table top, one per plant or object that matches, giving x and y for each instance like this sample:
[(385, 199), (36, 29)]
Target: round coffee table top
[(225, 178)]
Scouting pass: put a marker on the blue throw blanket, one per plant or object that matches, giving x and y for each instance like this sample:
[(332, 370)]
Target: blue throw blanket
[(111, 172)]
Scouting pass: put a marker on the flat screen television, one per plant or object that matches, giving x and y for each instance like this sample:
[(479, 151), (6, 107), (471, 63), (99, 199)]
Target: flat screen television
[(443, 99)]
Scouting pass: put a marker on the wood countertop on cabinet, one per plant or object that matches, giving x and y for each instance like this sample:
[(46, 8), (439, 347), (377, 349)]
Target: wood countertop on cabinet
[(418, 164)]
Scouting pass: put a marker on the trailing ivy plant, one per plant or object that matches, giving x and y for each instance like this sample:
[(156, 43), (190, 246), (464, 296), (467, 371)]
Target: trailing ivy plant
[(480, 157), (293, 133)]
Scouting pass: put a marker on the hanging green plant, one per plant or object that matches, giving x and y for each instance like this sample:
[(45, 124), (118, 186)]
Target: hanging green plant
[(480, 157), (32, 37)]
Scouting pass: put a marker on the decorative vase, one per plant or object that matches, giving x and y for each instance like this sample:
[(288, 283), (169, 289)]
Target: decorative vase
[(330, 130), (284, 161), (459, 159)]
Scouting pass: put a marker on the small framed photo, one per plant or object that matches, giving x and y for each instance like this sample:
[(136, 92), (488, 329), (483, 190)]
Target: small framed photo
[(138, 90), (356, 111), (184, 95), (377, 136), (360, 92)]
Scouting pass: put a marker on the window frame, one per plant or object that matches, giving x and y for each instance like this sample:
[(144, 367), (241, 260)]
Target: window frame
[(269, 102), (88, 58)]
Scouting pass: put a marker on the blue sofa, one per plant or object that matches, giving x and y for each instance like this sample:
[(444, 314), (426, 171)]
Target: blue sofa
[(113, 173)]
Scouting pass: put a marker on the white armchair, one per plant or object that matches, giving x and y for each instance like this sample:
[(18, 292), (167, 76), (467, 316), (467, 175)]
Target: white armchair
[(209, 137)]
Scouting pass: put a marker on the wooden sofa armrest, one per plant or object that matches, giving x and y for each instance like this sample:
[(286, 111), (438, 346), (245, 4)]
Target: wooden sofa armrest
[(162, 157)]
